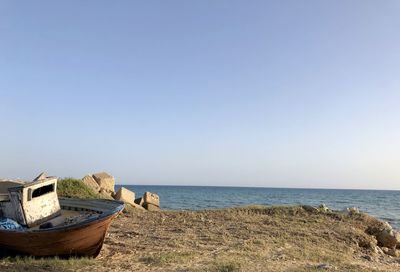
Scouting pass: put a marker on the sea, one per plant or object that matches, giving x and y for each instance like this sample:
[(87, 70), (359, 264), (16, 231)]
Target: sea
[(379, 203)]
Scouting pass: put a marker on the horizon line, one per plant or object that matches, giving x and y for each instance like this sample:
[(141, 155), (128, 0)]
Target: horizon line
[(264, 187)]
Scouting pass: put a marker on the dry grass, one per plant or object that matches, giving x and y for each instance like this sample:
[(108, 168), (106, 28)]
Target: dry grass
[(24, 263), (253, 238)]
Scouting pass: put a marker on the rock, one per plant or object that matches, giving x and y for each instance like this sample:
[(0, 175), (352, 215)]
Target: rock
[(105, 181), (91, 183), (391, 251), (131, 209), (325, 266), (139, 201), (367, 257), (387, 226), (151, 198), (323, 208), (151, 207), (378, 250), (353, 210), (368, 242), (125, 195), (309, 208), (106, 194), (378, 226), (384, 233), (136, 206), (394, 252), (42, 176), (388, 238)]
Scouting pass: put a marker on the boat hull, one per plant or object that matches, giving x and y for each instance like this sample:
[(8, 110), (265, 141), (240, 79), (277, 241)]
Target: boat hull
[(83, 239)]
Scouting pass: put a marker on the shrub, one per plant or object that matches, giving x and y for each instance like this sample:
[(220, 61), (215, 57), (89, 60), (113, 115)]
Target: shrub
[(75, 188)]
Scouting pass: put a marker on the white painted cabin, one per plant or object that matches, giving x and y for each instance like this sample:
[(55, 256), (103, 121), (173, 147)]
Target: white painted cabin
[(29, 203)]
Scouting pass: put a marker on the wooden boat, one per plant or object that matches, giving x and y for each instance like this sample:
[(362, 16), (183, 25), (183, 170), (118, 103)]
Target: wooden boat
[(77, 228)]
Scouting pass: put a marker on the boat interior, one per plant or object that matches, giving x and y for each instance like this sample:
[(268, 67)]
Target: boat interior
[(75, 211)]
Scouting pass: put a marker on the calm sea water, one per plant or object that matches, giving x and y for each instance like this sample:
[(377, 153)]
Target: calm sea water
[(382, 204)]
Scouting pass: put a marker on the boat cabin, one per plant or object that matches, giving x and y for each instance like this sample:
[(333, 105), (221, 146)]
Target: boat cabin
[(29, 203)]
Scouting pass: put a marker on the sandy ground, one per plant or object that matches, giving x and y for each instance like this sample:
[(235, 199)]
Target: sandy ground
[(241, 239), (257, 239)]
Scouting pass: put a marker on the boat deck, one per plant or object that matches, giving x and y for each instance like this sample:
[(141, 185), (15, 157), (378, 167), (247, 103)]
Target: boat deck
[(68, 217)]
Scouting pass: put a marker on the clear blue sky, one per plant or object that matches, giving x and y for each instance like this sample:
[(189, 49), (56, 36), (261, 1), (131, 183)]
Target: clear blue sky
[(247, 93)]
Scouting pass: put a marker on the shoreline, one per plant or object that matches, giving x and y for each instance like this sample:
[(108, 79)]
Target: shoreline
[(381, 204)]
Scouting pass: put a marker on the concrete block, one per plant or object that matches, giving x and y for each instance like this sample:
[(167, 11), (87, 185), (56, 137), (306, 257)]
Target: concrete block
[(125, 195)]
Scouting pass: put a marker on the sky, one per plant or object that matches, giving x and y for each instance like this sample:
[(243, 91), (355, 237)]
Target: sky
[(231, 93)]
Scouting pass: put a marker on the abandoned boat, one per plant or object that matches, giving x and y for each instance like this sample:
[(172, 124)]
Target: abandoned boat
[(34, 221)]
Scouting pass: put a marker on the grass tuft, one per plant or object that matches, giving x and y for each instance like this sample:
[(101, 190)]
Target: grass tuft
[(226, 267), (166, 258), (75, 188), (28, 263)]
